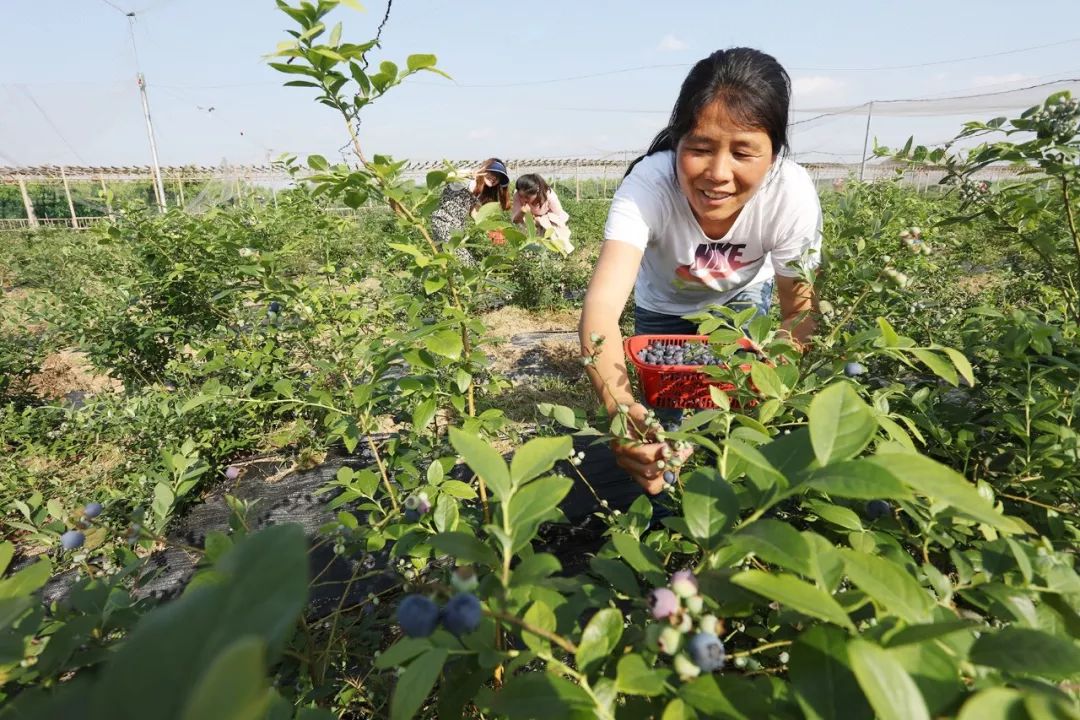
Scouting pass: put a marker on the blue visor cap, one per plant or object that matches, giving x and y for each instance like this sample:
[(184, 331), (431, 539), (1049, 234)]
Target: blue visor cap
[(499, 169)]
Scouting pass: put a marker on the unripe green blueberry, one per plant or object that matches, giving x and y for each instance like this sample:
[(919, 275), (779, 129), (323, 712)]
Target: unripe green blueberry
[(709, 624), (464, 579), (685, 667), (684, 584), (695, 603), (669, 641)]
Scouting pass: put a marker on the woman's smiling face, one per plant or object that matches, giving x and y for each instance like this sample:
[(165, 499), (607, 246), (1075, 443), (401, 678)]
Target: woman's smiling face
[(720, 165)]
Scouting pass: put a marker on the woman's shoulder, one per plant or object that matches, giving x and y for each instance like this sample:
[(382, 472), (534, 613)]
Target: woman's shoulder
[(793, 177), (659, 166)]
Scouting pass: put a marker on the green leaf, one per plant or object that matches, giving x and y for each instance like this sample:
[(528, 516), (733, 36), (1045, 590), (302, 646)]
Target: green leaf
[(259, 588), (446, 343), (996, 703), (889, 585), (757, 466), (767, 381), (600, 638), (731, 698), (1028, 652), (616, 573), (354, 4), (822, 679), (416, 683), (634, 677), (776, 542), (937, 364), (457, 489), (961, 363), (26, 581), (536, 457), (541, 695), (463, 546), (318, 162), (401, 652), (484, 461), (641, 558), (887, 333), (534, 569), (934, 480), (800, 596), (420, 62), (539, 616), (857, 479), (533, 504), (841, 424), (710, 506), (891, 691), (7, 551), (234, 685), (423, 414)]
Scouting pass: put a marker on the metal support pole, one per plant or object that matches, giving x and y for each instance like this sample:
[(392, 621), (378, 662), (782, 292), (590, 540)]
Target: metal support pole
[(67, 194), (866, 140), (28, 205), (180, 187), (159, 188)]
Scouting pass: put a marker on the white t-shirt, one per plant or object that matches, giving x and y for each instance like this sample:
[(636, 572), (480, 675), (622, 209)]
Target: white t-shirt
[(683, 270)]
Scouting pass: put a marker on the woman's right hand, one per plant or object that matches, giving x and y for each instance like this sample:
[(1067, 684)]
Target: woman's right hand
[(639, 453)]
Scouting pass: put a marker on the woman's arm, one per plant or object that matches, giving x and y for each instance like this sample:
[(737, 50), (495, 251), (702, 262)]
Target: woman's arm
[(517, 214), (555, 213), (609, 289), (797, 298)]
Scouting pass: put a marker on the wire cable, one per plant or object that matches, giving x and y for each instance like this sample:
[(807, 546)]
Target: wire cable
[(48, 120)]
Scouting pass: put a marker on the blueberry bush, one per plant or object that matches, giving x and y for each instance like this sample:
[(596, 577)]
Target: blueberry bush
[(884, 526)]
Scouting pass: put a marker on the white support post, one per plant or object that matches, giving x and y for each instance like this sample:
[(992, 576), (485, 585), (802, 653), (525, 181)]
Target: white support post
[(866, 140), (28, 205), (67, 194)]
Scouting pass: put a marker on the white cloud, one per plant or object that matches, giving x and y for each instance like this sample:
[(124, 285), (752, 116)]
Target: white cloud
[(670, 43), (1008, 79)]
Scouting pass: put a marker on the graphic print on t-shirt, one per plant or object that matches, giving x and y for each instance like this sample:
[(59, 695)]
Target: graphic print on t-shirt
[(718, 266)]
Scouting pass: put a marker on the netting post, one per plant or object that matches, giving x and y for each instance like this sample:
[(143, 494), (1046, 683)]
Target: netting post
[(67, 194), (866, 140), (180, 187), (28, 205), (105, 197)]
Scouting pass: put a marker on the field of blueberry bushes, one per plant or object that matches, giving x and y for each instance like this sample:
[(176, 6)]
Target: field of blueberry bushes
[(884, 526)]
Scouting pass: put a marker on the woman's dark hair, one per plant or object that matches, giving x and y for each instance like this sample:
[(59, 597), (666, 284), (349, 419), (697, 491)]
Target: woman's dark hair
[(499, 193), (753, 86), (534, 186)]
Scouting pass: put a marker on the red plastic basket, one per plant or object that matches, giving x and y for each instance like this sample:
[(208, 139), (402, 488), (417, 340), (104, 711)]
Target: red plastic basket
[(678, 386)]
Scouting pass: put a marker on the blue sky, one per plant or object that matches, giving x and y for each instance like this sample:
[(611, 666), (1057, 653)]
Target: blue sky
[(68, 95)]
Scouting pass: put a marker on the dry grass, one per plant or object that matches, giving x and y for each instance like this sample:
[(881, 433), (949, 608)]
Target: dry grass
[(69, 371)]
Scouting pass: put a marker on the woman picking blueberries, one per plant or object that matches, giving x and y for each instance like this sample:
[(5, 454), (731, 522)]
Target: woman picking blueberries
[(714, 213)]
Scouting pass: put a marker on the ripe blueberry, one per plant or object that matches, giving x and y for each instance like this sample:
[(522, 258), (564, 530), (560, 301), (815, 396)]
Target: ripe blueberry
[(92, 510), (669, 477), (684, 583), (707, 651), (878, 509), (854, 369), (462, 614), (72, 539), (412, 515), (662, 602), (274, 306), (418, 615)]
